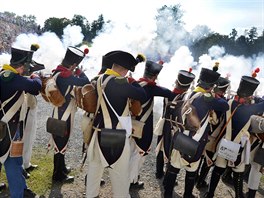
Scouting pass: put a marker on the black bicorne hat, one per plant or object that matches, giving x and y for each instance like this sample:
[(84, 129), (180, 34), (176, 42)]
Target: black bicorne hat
[(247, 86), (107, 62), (73, 56), (152, 68), (208, 77), (121, 58), (223, 83), (20, 56), (185, 78), (34, 66)]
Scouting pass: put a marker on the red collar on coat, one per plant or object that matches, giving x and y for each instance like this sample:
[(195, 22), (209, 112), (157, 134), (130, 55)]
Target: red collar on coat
[(150, 82), (64, 72)]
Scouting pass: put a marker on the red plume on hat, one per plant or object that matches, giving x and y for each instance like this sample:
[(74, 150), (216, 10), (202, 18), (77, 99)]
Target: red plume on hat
[(160, 62), (254, 73), (86, 51), (190, 70)]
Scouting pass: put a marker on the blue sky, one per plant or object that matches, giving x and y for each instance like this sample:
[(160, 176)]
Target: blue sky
[(219, 15)]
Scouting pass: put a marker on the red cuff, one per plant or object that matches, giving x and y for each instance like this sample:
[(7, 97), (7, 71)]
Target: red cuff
[(78, 72), (131, 80)]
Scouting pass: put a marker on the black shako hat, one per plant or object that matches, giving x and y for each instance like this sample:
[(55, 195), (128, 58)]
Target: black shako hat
[(121, 58), (222, 84), (208, 77), (24, 57), (247, 86), (185, 78), (152, 68), (73, 56), (107, 62), (20, 56)]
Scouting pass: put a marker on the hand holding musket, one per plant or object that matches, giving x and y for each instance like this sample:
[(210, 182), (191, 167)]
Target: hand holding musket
[(78, 70)]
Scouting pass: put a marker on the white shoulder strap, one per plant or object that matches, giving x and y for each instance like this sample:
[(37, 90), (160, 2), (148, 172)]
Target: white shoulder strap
[(229, 125), (148, 112), (103, 85), (12, 111), (8, 100), (189, 100), (100, 86)]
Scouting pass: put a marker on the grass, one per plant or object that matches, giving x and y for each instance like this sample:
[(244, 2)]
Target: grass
[(40, 180)]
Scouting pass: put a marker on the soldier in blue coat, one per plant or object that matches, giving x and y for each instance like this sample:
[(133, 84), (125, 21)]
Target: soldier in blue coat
[(241, 108), (141, 146), (68, 77), (203, 102), (113, 122), (182, 85), (217, 121), (13, 88)]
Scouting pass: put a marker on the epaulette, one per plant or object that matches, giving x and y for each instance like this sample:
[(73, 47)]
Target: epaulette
[(7, 75), (121, 80), (208, 97)]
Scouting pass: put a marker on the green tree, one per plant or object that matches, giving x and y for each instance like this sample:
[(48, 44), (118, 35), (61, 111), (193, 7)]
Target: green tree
[(201, 47), (56, 25), (258, 46), (96, 27), (233, 35), (252, 35), (83, 23)]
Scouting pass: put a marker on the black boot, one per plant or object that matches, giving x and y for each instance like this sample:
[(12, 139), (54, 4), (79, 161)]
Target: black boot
[(66, 169), (25, 174), (189, 184), (159, 165), (238, 184), (251, 193), (227, 176), (169, 181), (201, 178), (29, 193), (215, 177), (58, 173)]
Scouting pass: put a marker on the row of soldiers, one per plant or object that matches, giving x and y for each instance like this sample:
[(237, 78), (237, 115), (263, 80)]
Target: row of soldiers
[(113, 144), (222, 120)]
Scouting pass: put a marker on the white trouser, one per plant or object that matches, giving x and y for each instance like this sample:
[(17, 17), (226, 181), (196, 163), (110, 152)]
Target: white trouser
[(119, 174), (29, 136), (136, 161)]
